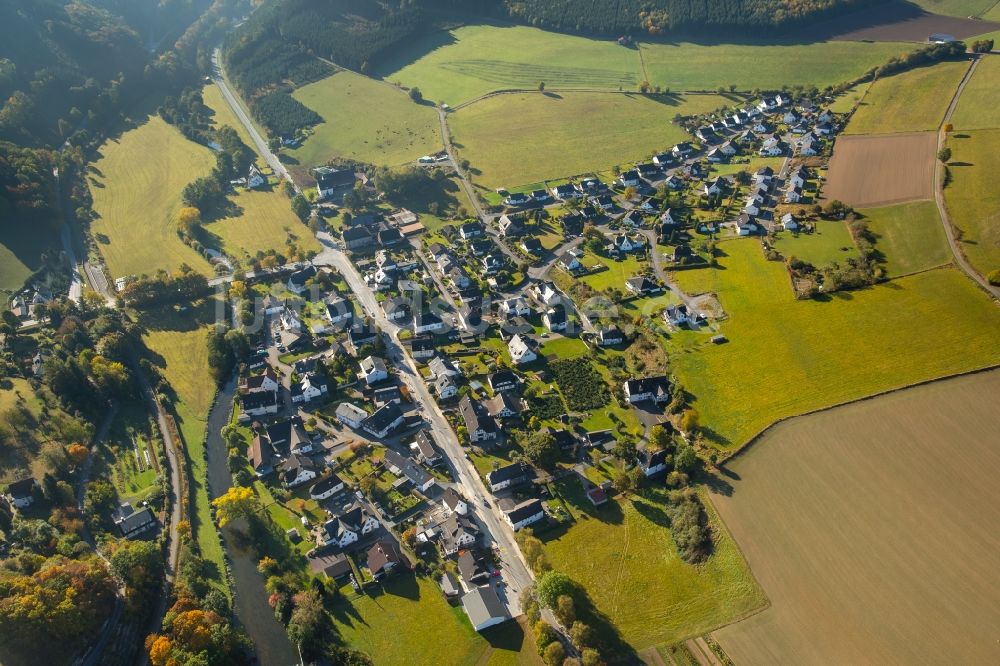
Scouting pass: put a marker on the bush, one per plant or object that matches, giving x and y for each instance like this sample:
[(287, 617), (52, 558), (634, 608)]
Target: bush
[(994, 277)]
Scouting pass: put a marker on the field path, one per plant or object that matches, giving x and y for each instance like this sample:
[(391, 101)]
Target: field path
[(621, 568), (699, 648), (949, 229)]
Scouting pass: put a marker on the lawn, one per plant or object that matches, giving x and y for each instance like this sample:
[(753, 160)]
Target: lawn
[(132, 476), (365, 120), (21, 247), (406, 620), (830, 242), (265, 221), (973, 198), (617, 273), (960, 8), (223, 113), (846, 101), (624, 555), (979, 105), (526, 137), (911, 101), (467, 62), (764, 65), (786, 357), (909, 235), (869, 524), (177, 340), (136, 185)]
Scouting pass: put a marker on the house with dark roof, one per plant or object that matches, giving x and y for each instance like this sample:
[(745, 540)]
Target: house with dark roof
[(297, 280), (475, 570), (508, 476), (383, 421), (404, 466), (425, 449), (266, 381), (357, 238), (478, 423), (524, 514), (503, 405), (455, 502), (326, 487), (484, 608), (656, 389), (653, 463), (261, 455), (458, 532), (329, 180), (347, 528), (297, 469), (131, 522), (20, 493), (383, 557), (641, 285), (259, 404)]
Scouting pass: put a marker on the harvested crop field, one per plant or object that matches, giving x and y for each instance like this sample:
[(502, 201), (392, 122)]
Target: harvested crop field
[(901, 22), (891, 552), (882, 170)]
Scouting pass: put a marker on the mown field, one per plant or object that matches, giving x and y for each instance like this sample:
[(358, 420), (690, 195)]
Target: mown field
[(365, 120), (830, 242), (223, 113), (961, 8), (973, 197), (911, 101), (891, 553), (786, 357), (406, 620), (136, 185), (461, 64), (979, 105), (21, 247), (625, 557), (909, 235), (695, 66), (526, 137), (177, 339), (264, 221)]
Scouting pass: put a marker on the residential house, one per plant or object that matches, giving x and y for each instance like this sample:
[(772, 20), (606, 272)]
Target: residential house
[(541, 196), (297, 470), (424, 448), (771, 147), (630, 178), (311, 387), (516, 199), (510, 226), (339, 310), (682, 150), (480, 247), (656, 389), (259, 404), (373, 370), (674, 183), (389, 237), (809, 145), (360, 334), (566, 191), (508, 476), (475, 570), (663, 160), (555, 319), (297, 280), (532, 246), (350, 415), (458, 532), (631, 219), (454, 502), (653, 463), (503, 405), (347, 528), (422, 347), (266, 381), (459, 278), (426, 322), (676, 315), (383, 421), (789, 223), (133, 522), (470, 230), (493, 263), (484, 608), (503, 380), (20, 493), (405, 466), (326, 488), (624, 243), (329, 180), (799, 177), (648, 170), (668, 220), (521, 350), (387, 394), (563, 438), (479, 425), (442, 366), (357, 238), (383, 557), (714, 187), (609, 337), (641, 285), (605, 202), (746, 225), (546, 293), (524, 514), (261, 455), (793, 195), (569, 262)]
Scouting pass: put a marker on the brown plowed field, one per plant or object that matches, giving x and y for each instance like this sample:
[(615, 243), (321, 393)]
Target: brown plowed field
[(879, 170), (899, 22), (874, 529)]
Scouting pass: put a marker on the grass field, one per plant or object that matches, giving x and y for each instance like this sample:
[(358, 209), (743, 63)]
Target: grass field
[(911, 101), (786, 357), (846, 101), (894, 530), (266, 221), (136, 185), (961, 8), (21, 247), (624, 555), (979, 105), (909, 235), (223, 113), (365, 120), (973, 198), (830, 242), (461, 64), (406, 620), (691, 66), (526, 137), (617, 273), (178, 341)]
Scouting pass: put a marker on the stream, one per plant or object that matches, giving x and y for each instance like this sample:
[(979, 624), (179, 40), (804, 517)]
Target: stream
[(249, 597)]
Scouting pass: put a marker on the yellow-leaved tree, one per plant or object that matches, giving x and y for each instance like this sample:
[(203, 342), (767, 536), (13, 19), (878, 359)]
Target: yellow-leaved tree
[(238, 502)]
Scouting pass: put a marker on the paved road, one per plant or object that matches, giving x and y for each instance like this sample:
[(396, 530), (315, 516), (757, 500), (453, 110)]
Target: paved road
[(949, 230), (272, 160)]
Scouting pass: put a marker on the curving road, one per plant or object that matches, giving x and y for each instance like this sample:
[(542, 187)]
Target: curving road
[(949, 229)]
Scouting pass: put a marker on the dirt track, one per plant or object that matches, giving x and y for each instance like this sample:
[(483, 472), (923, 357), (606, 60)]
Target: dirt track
[(900, 22), (879, 170)]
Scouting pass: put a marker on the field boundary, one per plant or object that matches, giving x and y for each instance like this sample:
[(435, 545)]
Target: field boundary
[(735, 453)]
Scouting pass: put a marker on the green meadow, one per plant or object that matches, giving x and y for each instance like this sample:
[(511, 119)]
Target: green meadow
[(910, 236)]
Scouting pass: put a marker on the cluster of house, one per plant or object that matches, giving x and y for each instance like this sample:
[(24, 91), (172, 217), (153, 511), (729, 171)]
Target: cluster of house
[(25, 303), (757, 217)]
